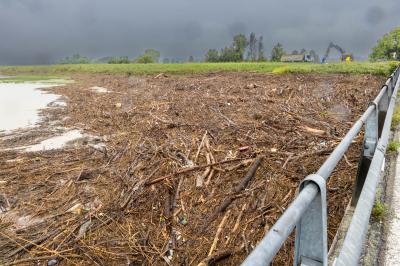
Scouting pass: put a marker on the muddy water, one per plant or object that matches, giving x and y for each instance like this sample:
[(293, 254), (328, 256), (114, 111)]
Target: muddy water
[(20, 104), (57, 142)]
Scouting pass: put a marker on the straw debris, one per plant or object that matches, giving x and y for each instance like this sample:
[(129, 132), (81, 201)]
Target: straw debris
[(167, 183)]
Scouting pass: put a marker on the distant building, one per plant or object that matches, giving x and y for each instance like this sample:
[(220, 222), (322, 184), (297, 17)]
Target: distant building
[(303, 57), (293, 58)]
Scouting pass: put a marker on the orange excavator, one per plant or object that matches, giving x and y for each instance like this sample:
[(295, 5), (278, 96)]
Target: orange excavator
[(345, 57)]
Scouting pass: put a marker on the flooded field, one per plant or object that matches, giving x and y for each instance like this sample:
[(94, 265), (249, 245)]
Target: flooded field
[(21, 117), (156, 173), (20, 104)]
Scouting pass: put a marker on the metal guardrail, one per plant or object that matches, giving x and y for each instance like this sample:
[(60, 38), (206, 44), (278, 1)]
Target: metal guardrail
[(308, 211)]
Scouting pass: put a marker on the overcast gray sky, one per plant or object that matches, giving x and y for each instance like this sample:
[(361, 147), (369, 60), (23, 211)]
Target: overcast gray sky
[(44, 31)]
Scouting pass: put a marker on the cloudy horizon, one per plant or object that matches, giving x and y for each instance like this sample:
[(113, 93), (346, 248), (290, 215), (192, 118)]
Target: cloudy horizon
[(45, 31)]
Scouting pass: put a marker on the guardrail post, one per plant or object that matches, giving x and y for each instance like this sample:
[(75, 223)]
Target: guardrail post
[(369, 145), (391, 85), (311, 244), (382, 109)]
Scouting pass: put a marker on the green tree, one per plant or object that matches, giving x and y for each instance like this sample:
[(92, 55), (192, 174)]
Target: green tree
[(144, 59), (75, 59), (118, 60), (154, 54), (388, 47), (212, 56), (239, 45), (277, 52), (252, 54), (149, 56), (233, 53), (261, 56), (230, 54)]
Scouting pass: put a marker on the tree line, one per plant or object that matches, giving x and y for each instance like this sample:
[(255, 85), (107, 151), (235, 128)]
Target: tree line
[(251, 49), (149, 56), (236, 52), (244, 49), (387, 48), (241, 49)]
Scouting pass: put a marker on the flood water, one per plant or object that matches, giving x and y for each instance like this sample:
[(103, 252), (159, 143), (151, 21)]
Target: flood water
[(57, 142), (20, 104)]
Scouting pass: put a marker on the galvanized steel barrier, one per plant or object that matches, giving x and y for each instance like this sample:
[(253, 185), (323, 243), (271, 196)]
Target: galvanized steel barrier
[(308, 211)]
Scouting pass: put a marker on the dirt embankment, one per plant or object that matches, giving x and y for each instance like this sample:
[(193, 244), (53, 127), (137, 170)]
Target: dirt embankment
[(177, 149)]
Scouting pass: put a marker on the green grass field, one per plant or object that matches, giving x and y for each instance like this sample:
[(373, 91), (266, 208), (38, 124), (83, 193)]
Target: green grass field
[(380, 68)]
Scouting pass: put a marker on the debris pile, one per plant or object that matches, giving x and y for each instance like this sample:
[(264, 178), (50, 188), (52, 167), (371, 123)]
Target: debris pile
[(191, 171)]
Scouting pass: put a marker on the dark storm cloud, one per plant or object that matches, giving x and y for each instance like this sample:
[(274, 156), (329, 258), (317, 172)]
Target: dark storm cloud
[(236, 28), (43, 31), (375, 15)]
